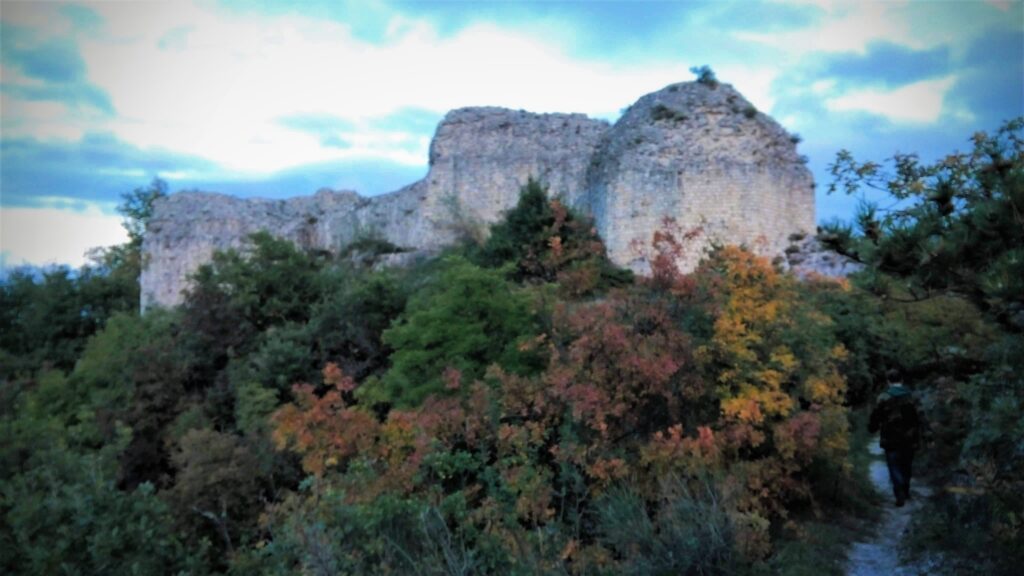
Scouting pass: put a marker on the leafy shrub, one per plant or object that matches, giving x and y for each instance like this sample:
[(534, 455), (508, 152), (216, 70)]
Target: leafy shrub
[(367, 246), (346, 326), (65, 514), (705, 75), (467, 319), (319, 531), (217, 489), (270, 284), (547, 242), (625, 396)]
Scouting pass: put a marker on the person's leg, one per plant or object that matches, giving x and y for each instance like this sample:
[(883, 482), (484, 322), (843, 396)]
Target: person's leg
[(908, 472), (892, 460)]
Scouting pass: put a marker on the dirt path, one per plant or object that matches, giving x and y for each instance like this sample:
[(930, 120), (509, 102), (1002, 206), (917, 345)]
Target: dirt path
[(879, 556)]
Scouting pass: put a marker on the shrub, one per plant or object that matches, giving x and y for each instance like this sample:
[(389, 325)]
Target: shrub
[(547, 242), (687, 531), (705, 75), (467, 319), (661, 112), (346, 326)]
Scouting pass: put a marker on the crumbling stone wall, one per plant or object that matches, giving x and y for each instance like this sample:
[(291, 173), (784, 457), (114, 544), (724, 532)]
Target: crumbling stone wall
[(706, 158), (697, 154)]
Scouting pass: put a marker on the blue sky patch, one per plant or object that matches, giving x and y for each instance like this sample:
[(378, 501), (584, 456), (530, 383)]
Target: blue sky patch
[(889, 64)]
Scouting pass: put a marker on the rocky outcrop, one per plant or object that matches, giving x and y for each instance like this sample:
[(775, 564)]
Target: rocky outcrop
[(699, 155), (806, 257)]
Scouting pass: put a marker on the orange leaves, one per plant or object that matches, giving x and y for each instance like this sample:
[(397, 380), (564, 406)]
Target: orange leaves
[(327, 432), (769, 352), (671, 450), (334, 378), (757, 309), (757, 404), (555, 244), (323, 430), (604, 470), (744, 409), (671, 245), (452, 378)]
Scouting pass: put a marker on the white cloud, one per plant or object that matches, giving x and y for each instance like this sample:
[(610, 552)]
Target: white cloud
[(220, 92), (845, 27), (42, 236), (38, 119), (754, 82), (920, 102), (823, 86)]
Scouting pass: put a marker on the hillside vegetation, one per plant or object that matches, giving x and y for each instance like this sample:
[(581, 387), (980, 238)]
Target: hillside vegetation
[(520, 405)]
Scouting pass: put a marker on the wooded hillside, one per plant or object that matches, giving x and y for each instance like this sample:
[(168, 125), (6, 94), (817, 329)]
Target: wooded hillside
[(521, 405)]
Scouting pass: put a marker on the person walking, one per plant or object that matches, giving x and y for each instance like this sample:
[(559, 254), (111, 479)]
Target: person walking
[(895, 416)]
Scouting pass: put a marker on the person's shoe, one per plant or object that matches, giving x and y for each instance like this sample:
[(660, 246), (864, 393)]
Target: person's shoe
[(899, 503)]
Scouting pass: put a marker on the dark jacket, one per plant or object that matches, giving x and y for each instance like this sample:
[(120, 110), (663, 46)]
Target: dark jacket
[(897, 418)]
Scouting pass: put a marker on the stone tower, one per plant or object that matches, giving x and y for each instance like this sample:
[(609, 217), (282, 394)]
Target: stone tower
[(704, 157)]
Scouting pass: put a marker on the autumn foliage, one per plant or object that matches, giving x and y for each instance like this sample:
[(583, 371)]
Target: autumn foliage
[(737, 406), (519, 405)]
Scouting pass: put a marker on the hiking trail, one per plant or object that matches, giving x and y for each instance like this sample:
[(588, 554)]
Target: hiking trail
[(879, 555)]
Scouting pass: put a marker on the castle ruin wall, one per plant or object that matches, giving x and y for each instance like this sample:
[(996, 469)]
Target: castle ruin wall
[(698, 155)]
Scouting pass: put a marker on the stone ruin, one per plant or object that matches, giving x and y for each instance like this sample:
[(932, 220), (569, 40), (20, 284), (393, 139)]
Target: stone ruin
[(696, 157)]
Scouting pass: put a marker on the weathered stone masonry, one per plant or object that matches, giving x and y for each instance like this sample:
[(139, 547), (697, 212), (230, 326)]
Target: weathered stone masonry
[(702, 156)]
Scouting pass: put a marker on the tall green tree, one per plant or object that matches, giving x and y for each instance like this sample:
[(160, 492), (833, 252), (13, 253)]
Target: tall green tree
[(957, 226), (955, 238), (46, 318)]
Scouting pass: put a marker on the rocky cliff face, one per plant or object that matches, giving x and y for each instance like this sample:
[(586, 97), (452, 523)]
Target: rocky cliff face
[(698, 155)]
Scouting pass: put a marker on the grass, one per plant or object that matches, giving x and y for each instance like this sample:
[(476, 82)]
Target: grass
[(818, 549)]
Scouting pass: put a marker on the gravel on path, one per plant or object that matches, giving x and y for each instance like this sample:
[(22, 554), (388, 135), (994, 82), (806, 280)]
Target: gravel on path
[(879, 556)]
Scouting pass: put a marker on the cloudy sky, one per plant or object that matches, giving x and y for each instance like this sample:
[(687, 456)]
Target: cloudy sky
[(278, 99)]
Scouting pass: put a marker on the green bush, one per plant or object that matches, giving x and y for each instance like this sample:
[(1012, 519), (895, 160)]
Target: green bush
[(467, 319), (346, 325), (705, 75), (65, 515), (544, 241)]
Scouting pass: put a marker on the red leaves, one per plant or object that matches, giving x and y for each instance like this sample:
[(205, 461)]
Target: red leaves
[(452, 378), (798, 437), (671, 246)]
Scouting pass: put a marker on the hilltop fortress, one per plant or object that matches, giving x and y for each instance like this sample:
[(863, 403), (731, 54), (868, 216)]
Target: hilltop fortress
[(699, 154)]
